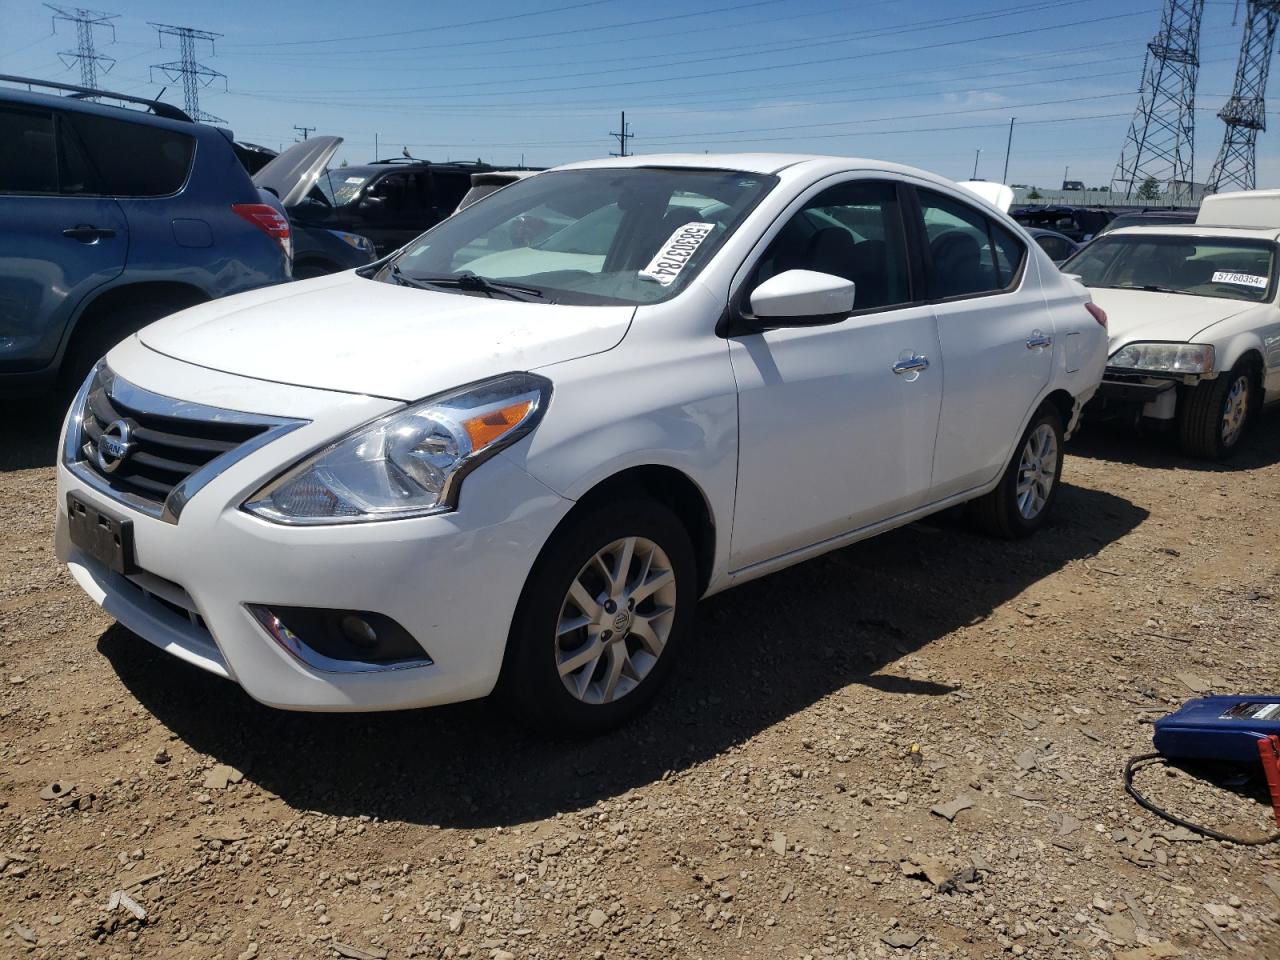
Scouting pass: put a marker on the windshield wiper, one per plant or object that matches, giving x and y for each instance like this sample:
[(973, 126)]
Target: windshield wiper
[(402, 278), (466, 280)]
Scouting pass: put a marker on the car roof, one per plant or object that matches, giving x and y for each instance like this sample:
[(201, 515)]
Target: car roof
[(1197, 230), (770, 163), (78, 105)]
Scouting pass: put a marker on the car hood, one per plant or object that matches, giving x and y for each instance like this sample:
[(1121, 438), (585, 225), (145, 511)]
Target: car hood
[(291, 175), (1134, 315), (350, 334)]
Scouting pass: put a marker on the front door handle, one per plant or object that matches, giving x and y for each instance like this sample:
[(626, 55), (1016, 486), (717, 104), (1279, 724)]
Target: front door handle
[(87, 233), (1038, 339), (913, 364)]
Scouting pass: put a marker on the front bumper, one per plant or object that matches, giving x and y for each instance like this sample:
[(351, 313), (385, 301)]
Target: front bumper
[(1124, 395), (451, 580)]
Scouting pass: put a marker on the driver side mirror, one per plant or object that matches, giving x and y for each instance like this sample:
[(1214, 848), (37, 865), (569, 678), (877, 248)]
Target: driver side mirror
[(802, 298)]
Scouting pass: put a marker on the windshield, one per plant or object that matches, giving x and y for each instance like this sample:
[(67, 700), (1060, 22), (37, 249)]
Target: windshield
[(1196, 266), (608, 236), (340, 185)]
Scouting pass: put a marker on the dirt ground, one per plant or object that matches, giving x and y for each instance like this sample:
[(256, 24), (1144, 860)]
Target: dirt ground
[(778, 801)]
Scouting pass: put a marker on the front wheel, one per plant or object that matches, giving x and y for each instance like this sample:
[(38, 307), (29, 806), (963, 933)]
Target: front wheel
[(1020, 503), (1215, 413), (601, 619)]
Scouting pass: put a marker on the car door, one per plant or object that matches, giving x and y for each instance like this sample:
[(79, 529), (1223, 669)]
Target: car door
[(58, 239), (996, 337), (836, 422)]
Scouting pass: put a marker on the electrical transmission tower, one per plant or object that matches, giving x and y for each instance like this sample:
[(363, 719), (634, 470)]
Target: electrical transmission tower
[(1162, 134), (1245, 114), (85, 54), (193, 73)]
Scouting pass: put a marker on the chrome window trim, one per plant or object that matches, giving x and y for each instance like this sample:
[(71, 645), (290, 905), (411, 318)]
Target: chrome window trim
[(144, 401)]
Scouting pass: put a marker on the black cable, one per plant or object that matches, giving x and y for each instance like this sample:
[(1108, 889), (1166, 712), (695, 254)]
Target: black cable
[(1165, 814)]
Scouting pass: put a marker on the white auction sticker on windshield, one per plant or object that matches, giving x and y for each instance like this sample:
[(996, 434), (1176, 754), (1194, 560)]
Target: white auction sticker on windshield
[(1244, 279), (676, 253), (355, 179)]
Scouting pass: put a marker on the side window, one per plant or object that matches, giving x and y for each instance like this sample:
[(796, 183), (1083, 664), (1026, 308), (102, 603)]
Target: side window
[(968, 253), (76, 175), (28, 155), (401, 196), (854, 231), (135, 159), (448, 189), (1054, 247)]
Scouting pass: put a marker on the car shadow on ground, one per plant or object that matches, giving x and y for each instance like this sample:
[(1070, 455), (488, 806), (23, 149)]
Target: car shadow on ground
[(31, 432), (1156, 450), (760, 655)]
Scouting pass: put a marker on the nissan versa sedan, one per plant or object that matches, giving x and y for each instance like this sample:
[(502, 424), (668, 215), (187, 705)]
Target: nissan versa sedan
[(510, 459)]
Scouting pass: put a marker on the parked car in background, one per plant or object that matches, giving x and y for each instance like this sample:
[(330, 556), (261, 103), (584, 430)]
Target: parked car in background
[(435, 478), (484, 184), (1076, 223), (112, 217), (1149, 218), (1057, 246), (389, 201), (289, 178), (1195, 327)]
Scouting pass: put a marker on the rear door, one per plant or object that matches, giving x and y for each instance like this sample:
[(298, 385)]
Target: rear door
[(995, 333), (59, 237)]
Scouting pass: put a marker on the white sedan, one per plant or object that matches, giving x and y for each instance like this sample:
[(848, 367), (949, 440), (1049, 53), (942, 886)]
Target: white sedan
[(1195, 325), (422, 481)]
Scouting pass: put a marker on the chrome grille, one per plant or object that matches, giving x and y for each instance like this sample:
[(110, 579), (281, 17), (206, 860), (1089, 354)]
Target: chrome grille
[(174, 447)]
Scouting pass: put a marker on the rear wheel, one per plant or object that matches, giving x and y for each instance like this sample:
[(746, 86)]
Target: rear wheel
[(1215, 413), (1020, 503), (602, 618)]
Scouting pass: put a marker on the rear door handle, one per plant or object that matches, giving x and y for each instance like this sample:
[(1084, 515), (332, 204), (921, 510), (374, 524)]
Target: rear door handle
[(1038, 339), (87, 233), (911, 365)]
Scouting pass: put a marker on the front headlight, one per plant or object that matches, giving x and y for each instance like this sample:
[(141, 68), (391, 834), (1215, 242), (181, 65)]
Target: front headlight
[(1164, 357), (409, 463), (363, 244)]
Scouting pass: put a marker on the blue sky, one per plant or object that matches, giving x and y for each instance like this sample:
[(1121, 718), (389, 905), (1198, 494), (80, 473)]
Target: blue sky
[(926, 82)]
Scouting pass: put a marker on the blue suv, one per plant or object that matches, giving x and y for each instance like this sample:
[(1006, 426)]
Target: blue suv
[(112, 217)]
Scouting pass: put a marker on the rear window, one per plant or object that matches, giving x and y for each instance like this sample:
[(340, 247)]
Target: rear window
[(28, 156), (135, 159)]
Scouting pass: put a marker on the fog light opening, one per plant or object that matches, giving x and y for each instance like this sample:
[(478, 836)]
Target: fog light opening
[(359, 631)]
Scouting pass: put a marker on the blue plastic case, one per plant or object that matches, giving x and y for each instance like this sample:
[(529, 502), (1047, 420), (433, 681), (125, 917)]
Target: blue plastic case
[(1218, 728)]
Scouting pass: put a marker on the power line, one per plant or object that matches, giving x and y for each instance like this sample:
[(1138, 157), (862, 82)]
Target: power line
[(86, 22), (194, 75)]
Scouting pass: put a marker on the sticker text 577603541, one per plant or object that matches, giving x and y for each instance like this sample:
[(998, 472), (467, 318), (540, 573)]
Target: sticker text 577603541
[(676, 253)]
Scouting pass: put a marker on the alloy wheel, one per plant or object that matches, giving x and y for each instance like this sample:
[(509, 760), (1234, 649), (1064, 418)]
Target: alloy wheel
[(1037, 471), (1235, 410), (615, 620)]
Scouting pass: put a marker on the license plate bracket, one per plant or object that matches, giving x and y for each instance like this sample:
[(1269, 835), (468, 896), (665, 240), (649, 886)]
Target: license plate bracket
[(101, 534)]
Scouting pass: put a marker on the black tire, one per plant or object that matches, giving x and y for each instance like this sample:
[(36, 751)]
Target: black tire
[(1202, 426), (98, 333), (310, 269), (998, 513), (530, 685)]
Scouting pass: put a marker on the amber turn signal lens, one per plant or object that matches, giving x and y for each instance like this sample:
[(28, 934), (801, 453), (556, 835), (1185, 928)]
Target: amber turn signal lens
[(485, 429)]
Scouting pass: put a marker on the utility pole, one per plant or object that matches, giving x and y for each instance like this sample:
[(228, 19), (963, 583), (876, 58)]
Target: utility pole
[(375, 145), (194, 74), (85, 54), (622, 137), (303, 130), (975, 164), (1007, 150)]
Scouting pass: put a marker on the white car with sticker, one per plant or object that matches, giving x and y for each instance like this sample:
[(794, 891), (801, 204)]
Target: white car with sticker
[(512, 456), (1195, 325)]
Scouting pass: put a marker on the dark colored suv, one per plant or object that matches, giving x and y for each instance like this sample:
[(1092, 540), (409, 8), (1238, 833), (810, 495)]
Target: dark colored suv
[(111, 217), (389, 201)]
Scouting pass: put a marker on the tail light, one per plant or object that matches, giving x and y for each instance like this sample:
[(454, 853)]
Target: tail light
[(270, 221), (1098, 314)]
